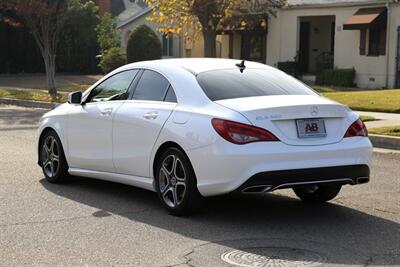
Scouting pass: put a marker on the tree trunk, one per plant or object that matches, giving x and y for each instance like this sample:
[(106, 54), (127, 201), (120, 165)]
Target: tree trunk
[(50, 65), (210, 43)]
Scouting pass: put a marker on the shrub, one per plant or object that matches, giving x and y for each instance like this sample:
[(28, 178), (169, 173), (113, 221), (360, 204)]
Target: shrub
[(112, 59), (107, 34), (143, 44), (337, 77)]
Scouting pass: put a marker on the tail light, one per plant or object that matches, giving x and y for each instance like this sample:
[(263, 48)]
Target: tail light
[(240, 134), (357, 129)]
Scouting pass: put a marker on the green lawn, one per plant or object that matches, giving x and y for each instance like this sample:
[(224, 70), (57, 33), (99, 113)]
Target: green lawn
[(42, 94), (374, 100), (370, 100), (37, 95), (393, 131), (367, 118), (328, 89), (80, 87)]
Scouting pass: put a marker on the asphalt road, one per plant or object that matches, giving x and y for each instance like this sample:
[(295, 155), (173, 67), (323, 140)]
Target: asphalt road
[(89, 223)]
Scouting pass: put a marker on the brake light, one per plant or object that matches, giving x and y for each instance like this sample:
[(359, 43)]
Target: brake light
[(358, 128), (240, 133)]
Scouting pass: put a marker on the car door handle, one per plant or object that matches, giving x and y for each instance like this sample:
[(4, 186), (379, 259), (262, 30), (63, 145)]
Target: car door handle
[(106, 112), (151, 115)]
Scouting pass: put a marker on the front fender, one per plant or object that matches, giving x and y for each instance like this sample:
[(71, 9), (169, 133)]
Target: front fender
[(56, 120)]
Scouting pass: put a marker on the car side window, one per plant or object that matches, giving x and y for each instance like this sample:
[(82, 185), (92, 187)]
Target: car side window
[(170, 97), (151, 86), (114, 88)]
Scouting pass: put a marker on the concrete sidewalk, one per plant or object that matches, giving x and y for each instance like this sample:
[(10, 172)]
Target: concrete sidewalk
[(383, 119)]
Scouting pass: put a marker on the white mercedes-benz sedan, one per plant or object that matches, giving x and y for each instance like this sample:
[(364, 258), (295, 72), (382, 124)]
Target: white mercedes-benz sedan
[(193, 128)]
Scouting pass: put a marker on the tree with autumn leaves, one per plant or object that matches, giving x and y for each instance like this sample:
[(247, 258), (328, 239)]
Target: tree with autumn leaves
[(206, 16)]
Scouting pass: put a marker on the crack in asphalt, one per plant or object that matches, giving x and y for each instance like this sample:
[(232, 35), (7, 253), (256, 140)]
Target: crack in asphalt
[(186, 259), (370, 261)]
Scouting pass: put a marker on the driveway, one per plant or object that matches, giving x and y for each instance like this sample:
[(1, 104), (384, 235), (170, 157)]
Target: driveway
[(88, 222)]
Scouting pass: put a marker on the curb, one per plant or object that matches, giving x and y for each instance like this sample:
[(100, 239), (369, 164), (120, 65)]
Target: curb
[(383, 141), (27, 103)]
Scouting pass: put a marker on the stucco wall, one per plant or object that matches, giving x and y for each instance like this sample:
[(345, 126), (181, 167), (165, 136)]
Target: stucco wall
[(371, 71), (196, 49), (193, 48)]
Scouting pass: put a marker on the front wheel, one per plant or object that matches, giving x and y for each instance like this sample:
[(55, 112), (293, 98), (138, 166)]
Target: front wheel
[(175, 183), (317, 193), (53, 162)]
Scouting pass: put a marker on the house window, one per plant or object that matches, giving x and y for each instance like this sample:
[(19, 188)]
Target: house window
[(372, 25), (377, 41), (168, 45)]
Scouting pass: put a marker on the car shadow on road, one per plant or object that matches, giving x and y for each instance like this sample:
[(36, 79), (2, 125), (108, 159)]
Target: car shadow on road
[(337, 234)]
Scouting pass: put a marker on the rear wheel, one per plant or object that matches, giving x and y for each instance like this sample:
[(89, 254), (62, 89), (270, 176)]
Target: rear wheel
[(53, 162), (317, 193), (175, 183)]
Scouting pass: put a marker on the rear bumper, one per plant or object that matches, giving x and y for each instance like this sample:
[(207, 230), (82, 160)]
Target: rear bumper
[(270, 181), (224, 167)]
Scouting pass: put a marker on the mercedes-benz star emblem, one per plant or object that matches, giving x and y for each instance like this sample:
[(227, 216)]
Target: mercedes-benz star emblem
[(314, 111)]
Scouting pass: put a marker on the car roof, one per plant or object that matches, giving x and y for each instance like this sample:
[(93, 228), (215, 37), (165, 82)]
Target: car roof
[(199, 65)]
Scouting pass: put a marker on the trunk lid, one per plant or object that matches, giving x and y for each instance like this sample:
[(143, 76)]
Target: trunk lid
[(280, 115)]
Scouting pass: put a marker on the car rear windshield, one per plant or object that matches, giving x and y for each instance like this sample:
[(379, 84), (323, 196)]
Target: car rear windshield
[(231, 83)]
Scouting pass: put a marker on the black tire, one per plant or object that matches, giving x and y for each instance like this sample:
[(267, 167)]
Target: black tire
[(167, 180), (317, 193), (52, 158)]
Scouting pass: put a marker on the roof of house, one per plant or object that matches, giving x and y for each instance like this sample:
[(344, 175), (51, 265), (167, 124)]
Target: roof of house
[(306, 3), (131, 14)]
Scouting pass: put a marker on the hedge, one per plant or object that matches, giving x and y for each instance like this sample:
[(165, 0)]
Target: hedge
[(143, 44), (114, 58), (337, 77)]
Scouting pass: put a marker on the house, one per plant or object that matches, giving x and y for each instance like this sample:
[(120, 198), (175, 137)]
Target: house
[(359, 34), (135, 15), (362, 34)]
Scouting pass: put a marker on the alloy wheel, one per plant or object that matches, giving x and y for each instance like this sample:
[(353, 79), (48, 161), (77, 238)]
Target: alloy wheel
[(50, 156), (172, 181)]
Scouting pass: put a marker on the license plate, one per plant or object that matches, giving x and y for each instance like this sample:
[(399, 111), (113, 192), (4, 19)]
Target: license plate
[(309, 128)]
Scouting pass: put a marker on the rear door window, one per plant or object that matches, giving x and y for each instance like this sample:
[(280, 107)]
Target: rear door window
[(231, 83), (170, 97), (151, 86)]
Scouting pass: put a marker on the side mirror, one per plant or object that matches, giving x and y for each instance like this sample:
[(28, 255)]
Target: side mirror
[(75, 98)]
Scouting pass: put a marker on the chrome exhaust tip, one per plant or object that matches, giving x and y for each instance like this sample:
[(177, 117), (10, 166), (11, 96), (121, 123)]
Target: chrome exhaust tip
[(257, 189), (362, 180)]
